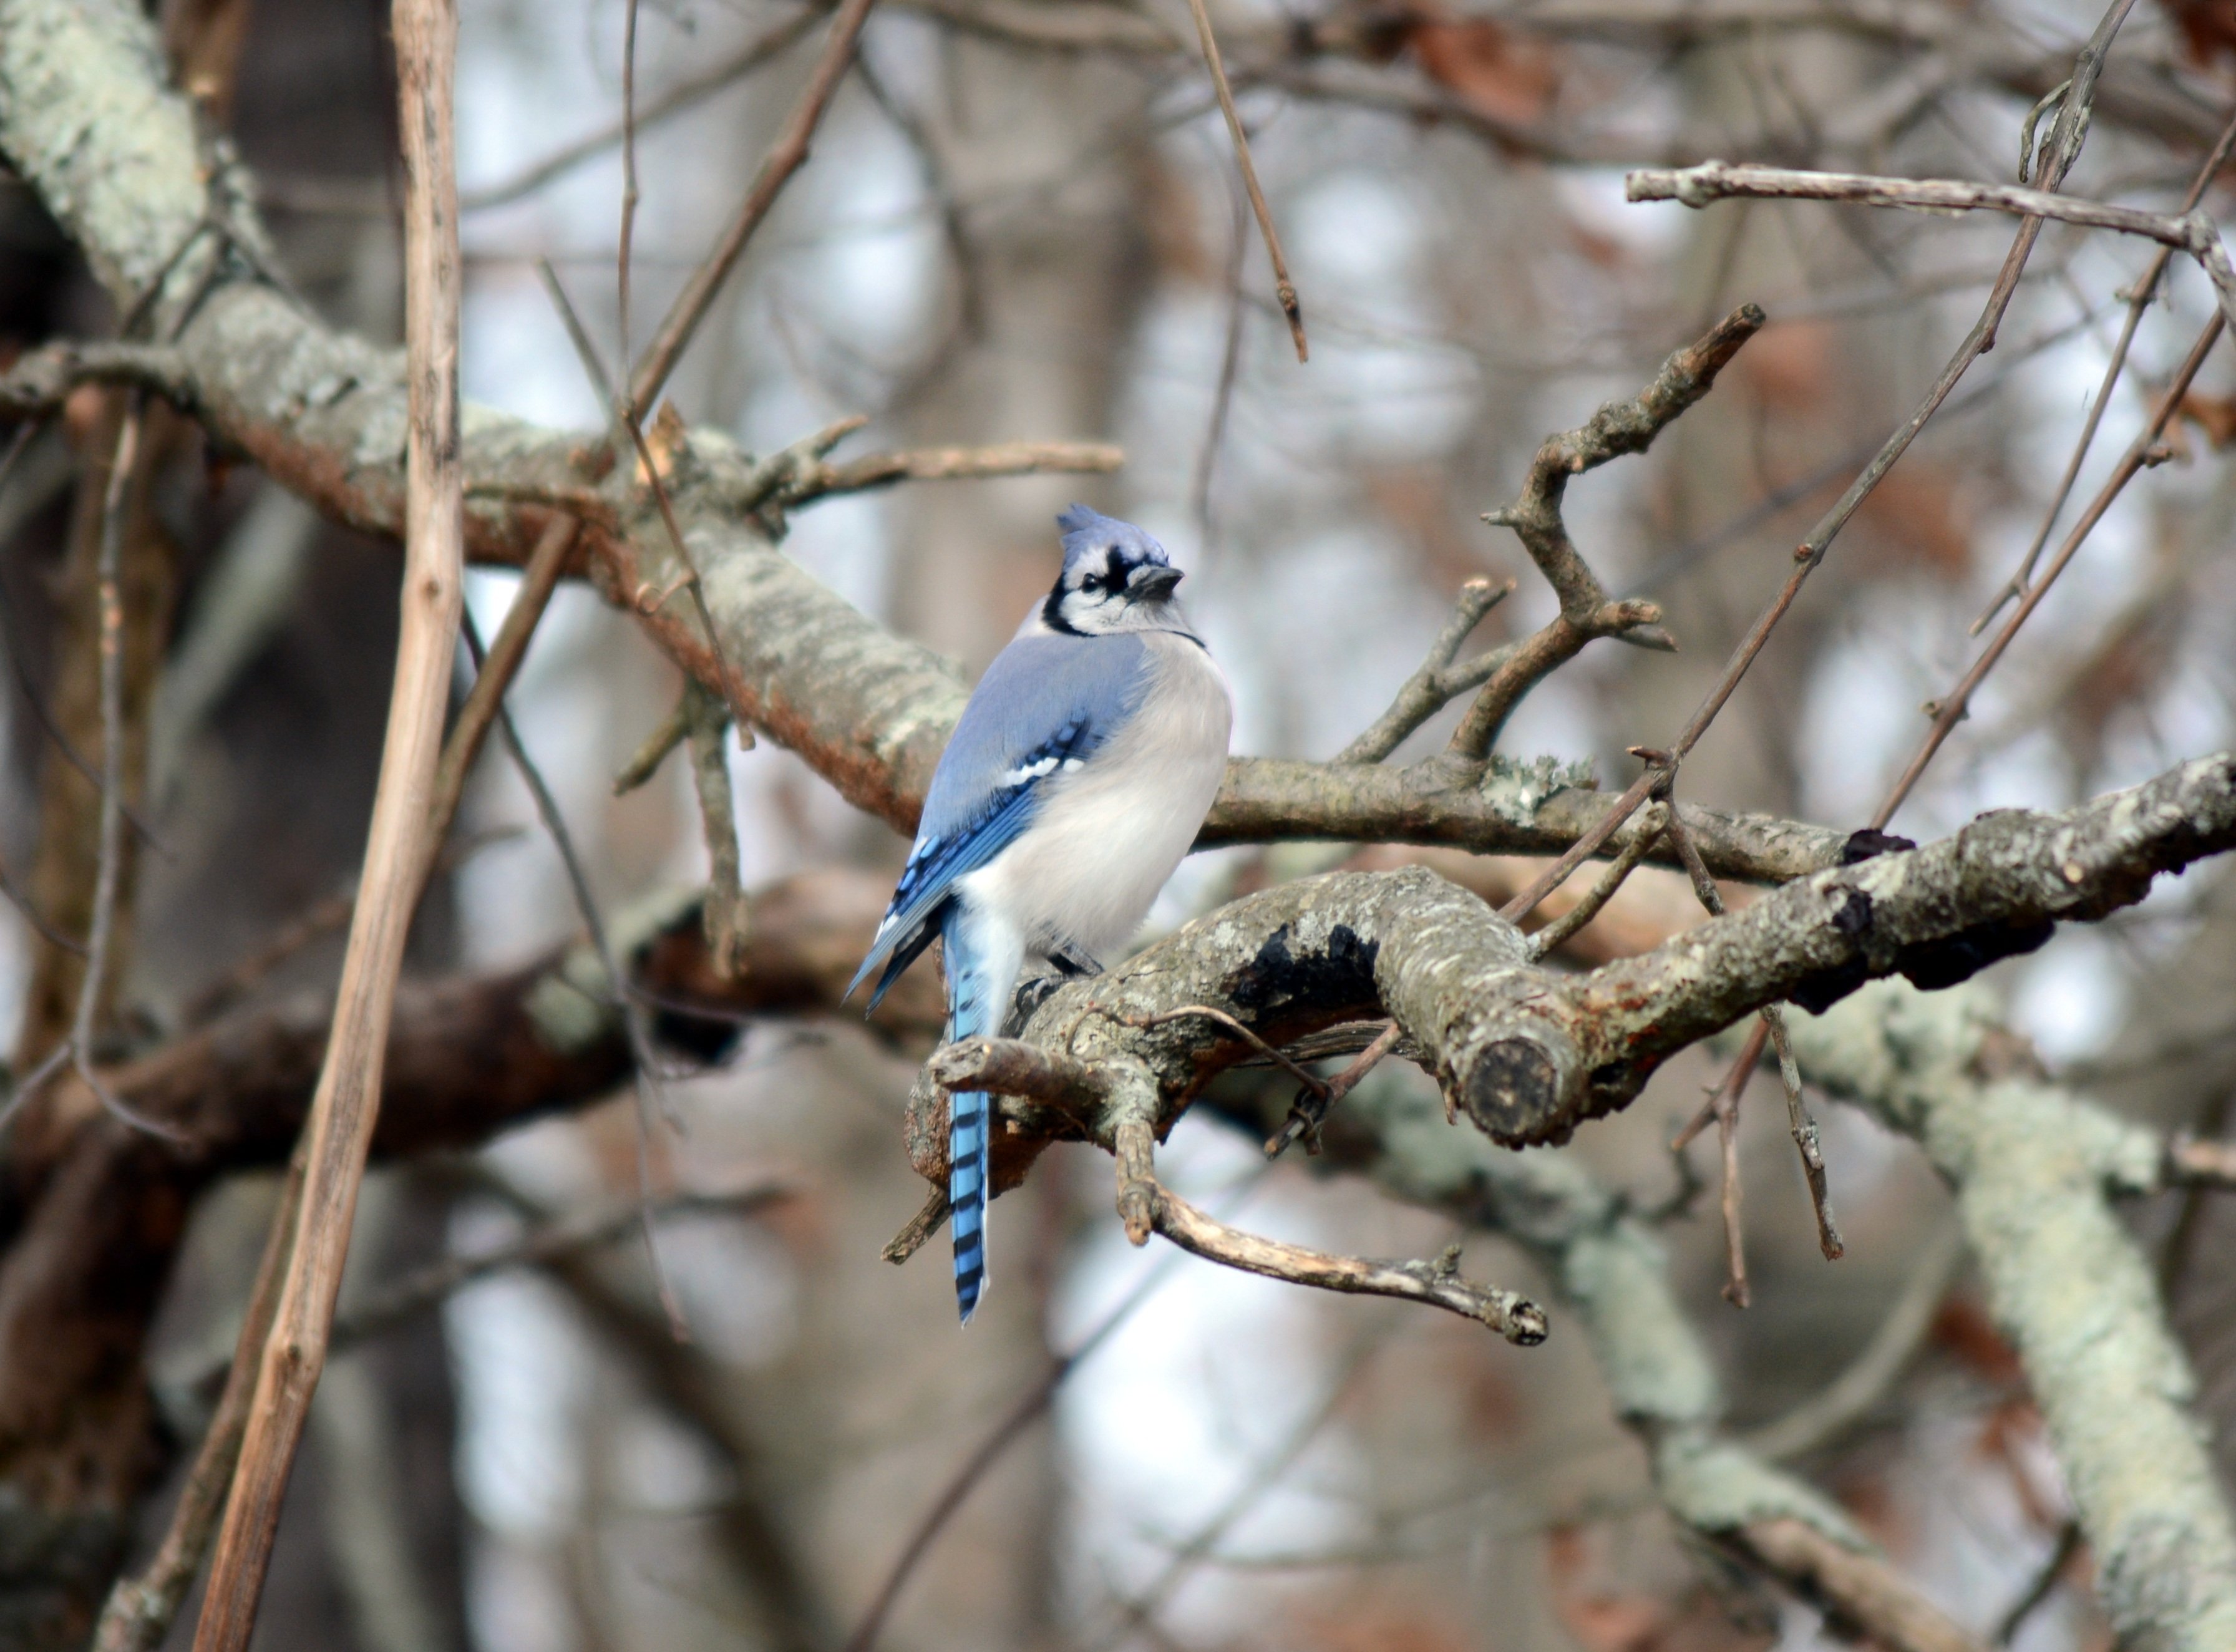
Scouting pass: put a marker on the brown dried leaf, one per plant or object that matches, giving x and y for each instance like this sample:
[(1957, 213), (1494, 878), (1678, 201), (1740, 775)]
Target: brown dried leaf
[(2208, 27), (1599, 1619), (1355, 1628), (667, 436), (1171, 222), (1506, 77), (1923, 519), (2215, 415), (1962, 1328), (1789, 367)]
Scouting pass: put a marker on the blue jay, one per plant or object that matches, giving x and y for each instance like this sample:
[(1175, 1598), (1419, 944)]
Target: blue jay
[(1075, 781)]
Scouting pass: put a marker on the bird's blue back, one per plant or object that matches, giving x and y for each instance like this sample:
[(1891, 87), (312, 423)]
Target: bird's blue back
[(1047, 700), (1082, 669)]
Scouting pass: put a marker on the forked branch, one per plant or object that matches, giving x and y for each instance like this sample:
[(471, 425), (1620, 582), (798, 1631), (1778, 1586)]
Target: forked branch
[(1619, 428)]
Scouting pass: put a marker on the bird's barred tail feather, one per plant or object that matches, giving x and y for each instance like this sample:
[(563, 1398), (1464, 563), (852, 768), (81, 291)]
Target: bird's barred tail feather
[(980, 979), (966, 1192)]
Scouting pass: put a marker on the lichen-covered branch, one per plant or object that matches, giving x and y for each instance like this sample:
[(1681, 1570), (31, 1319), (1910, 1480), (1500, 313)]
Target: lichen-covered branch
[(1527, 1053), (1611, 1277), (86, 119), (2035, 1167), (2192, 231)]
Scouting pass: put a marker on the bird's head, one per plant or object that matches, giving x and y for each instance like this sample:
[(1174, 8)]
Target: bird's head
[(1115, 578)]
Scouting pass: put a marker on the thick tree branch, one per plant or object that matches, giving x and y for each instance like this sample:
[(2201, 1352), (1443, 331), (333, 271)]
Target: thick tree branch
[(324, 413), (2034, 1166), (1611, 1275), (1527, 1053)]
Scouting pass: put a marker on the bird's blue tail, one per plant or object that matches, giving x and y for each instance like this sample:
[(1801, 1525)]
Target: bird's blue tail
[(982, 973)]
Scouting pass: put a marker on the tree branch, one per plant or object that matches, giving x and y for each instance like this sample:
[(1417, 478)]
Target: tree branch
[(323, 413), (2192, 231), (346, 1103), (1611, 1273), (1527, 1053), (2034, 1165), (1617, 429)]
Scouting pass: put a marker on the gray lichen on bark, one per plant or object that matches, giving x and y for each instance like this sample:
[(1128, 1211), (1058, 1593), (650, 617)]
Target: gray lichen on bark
[(1612, 1273), (2035, 1168)]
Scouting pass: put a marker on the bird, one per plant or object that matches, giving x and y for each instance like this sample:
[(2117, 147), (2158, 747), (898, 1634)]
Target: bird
[(1077, 776)]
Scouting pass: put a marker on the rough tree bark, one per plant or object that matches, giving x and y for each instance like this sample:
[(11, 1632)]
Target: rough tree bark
[(1525, 1053)]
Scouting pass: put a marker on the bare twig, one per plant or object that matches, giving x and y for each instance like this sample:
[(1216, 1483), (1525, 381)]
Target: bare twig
[(322, 917), (1848, 1397), (346, 1101), (673, 731), (1308, 1111), (140, 1610), (1137, 1610), (1310, 1081), (2057, 158), (27, 909), (1803, 1127), (816, 480), (2045, 1580), (1651, 827), (632, 1013), (2193, 1164), (1438, 683), (1222, 392), (2192, 231), (684, 95), (1619, 428), (724, 911), (786, 156), (625, 416), (586, 348), (1726, 1105), (494, 676), (667, 507), (108, 876), (1952, 708), (1435, 1283), (2143, 291), (1713, 181), (629, 194), (918, 1230), (381, 1310), (989, 1452), (1011, 1067), (1285, 290), (1859, 1585)]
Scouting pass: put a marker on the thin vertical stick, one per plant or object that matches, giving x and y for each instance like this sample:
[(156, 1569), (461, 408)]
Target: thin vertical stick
[(1285, 290), (343, 1107), (1952, 709), (1728, 1131), (139, 1612), (628, 170), (786, 156), (493, 676), (109, 612), (1222, 397), (108, 874)]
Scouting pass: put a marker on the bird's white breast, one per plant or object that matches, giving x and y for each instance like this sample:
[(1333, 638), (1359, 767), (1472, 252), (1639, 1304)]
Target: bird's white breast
[(1089, 867)]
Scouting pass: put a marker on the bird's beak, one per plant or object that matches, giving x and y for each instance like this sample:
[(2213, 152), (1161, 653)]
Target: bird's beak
[(1152, 582)]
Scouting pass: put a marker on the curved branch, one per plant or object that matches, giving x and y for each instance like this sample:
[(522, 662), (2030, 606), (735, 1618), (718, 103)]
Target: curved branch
[(323, 412), (2034, 1166), (1529, 1053)]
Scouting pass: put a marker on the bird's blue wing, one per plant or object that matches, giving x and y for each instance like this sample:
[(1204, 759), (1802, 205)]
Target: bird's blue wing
[(1046, 703)]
